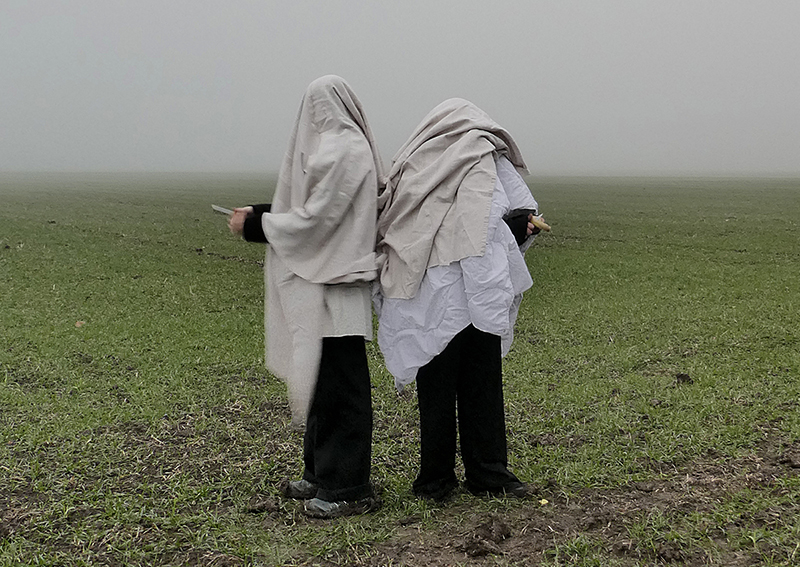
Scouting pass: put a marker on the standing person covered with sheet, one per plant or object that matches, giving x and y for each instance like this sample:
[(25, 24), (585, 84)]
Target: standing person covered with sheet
[(320, 234), (454, 222)]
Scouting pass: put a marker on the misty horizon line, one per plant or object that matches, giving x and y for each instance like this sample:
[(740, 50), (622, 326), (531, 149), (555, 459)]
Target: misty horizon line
[(537, 174)]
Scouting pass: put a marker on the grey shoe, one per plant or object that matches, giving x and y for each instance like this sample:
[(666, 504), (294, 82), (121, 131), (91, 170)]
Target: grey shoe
[(298, 489), (317, 508)]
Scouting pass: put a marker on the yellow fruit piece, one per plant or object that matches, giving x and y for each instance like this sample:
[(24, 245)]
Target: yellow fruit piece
[(539, 223)]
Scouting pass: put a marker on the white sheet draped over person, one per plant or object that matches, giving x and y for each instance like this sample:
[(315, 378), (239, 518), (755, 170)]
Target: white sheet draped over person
[(320, 232), (454, 222)]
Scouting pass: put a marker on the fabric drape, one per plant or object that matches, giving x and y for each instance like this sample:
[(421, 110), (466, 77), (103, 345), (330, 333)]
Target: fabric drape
[(484, 291), (447, 174), (320, 231)]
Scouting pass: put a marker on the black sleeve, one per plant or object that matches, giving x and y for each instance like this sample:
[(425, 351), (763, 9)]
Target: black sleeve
[(517, 221), (253, 230)]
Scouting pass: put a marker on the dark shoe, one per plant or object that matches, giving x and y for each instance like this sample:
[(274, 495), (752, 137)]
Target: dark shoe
[(317, 508), (298, 489), (439, 492), (511, 490), (518, 490)]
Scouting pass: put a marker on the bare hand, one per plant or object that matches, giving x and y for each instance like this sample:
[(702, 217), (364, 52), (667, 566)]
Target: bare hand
[(538, 223), (236, 222), (532, 229)]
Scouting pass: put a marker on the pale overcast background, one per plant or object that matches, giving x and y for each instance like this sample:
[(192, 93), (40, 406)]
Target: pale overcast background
[(586, 87)]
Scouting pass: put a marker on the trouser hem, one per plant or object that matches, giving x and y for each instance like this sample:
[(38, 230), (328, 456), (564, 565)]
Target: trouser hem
[(348, 494)]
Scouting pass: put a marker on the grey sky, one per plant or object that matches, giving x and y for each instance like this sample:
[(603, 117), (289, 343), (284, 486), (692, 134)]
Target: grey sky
[(585, 87)]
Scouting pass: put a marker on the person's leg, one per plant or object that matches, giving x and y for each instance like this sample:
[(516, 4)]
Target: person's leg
[(481, 415), (337, 443), (436, 396), (310, 439)]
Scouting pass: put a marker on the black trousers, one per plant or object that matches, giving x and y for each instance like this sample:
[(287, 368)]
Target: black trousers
[(466, 376), (338, 439)]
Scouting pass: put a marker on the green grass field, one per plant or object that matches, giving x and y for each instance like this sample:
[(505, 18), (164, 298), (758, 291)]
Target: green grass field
[(652, 391)]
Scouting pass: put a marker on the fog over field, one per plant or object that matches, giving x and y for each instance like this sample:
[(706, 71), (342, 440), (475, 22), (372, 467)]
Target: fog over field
[(612, 87)]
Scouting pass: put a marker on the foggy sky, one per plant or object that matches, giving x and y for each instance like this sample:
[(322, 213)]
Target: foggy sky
[(585, 87)]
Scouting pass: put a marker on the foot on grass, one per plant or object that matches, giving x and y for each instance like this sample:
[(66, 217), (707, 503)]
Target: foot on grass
[(439, 493), (511, 490), (298, 489), (317, 508)]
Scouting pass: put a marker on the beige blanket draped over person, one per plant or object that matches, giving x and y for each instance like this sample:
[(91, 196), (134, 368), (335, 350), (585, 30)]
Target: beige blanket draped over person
[(320, 232)]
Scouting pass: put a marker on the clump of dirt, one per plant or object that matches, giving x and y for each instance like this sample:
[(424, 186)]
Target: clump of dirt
[(485, 539)]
